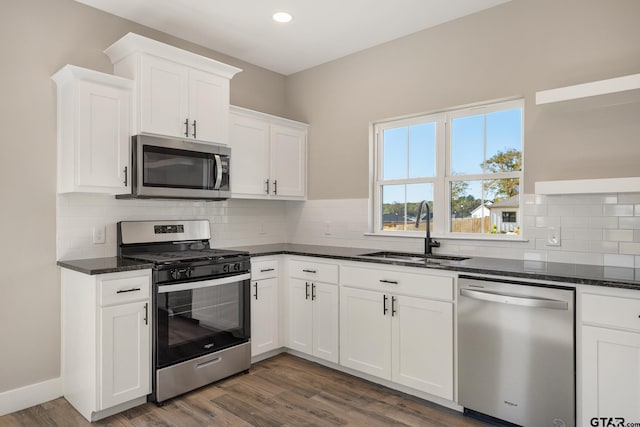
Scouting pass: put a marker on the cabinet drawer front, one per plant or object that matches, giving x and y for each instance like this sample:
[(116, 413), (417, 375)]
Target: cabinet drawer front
[(264, 269), (611, 311), (310, 270), (420, 285), (118, 290)]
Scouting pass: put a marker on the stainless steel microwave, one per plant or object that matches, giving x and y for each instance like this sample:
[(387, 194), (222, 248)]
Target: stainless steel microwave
[(168, 168)]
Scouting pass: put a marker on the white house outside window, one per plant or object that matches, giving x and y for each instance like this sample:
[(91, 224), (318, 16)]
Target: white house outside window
[(466, 163)]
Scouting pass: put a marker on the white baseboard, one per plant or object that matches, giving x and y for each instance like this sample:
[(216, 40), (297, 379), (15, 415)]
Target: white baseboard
[(30, 395)]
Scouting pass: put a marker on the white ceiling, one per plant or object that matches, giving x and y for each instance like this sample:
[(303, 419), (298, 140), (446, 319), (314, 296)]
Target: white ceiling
[(321, 30)]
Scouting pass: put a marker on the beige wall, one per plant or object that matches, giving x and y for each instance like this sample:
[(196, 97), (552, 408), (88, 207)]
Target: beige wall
[(512, 50), (37, 37)]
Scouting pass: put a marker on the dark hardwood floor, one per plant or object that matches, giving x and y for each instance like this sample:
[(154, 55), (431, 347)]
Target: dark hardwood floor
[(281, 391)]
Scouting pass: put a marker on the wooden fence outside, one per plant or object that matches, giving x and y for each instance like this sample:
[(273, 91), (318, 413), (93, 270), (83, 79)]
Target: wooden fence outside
[(458, 225)]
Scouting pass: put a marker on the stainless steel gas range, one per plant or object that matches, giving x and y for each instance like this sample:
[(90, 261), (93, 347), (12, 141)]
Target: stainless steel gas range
[(201, 303)]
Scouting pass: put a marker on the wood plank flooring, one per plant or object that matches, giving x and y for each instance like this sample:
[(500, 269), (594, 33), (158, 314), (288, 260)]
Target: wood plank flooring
[(282, 391)]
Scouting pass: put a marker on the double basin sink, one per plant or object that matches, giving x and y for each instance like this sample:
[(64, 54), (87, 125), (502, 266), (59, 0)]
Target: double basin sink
[(412, 257)]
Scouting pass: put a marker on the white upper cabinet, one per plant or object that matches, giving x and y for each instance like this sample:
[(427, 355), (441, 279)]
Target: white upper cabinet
[(179, 94), (288, 161), (94, 112), (269, 156)]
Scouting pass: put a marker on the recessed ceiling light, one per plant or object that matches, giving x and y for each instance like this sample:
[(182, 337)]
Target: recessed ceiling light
[(282, 17)]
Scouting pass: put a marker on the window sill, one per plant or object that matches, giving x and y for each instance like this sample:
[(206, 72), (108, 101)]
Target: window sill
[(489, 238)]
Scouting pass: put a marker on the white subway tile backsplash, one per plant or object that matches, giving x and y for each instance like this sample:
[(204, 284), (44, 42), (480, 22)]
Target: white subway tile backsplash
[(603, 222), (596, 229), (618, 210), (619, 260), (632, 223), (629, 198), (548, 221), (630, 248), (618, 235)]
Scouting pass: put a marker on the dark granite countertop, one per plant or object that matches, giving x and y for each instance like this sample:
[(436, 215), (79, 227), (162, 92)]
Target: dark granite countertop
[(617, 277), (104, 265)]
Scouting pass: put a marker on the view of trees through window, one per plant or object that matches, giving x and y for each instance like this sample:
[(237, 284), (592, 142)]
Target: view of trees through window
[(482, 178)]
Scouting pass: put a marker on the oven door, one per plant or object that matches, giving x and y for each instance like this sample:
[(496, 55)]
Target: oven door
[(180, 169), (197, 318)]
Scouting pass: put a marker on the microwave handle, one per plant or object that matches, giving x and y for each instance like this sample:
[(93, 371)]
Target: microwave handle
[(218, 175)]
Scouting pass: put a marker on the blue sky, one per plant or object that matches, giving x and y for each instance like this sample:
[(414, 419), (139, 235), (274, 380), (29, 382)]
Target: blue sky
[(503, 131)]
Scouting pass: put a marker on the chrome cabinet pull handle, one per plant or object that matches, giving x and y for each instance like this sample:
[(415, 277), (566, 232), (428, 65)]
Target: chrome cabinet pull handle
[(194, 129), (313, 292), (218, 160), (275, 186), (384, 305), (186, 128), (266, 189), (256, 286), (393, 306), (146, 313), (264, 270), (122, 291), (310, 271), (306, 290), (125, 176), (392, 282)]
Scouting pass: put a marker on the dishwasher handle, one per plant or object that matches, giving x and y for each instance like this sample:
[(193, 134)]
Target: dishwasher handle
[(515, 299)]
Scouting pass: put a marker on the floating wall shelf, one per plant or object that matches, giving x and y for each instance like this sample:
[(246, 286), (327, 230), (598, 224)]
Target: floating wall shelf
[(589, 186), (619, 90)]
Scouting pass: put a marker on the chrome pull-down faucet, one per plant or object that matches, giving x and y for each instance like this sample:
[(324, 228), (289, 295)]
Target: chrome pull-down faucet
[(428, 242)]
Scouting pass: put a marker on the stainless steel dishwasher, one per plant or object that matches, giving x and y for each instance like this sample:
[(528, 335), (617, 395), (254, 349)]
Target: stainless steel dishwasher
[(516, 359)]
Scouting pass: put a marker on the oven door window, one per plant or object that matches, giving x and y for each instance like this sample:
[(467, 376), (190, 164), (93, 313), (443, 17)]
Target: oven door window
[(199, 321), (169, 167)]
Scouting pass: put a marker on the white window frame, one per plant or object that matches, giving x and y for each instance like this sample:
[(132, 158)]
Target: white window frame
[(443, 178)]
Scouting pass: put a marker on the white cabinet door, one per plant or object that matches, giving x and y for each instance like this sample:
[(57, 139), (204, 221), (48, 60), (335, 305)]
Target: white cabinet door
[(264, 315), (610, 374), (365, 332), (249, 140), (125, 351), (164, 93), (102, 143), (300, 316), (208, 107), (288, 161), (325, 321), (422, 344)]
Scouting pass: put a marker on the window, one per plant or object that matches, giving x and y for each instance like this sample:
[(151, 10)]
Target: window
[(508, 217), (466, 163)]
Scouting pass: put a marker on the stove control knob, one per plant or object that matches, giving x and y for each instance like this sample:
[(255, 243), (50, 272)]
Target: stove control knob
[(187, 272), (236, 267), (225, 268), (175, 274)]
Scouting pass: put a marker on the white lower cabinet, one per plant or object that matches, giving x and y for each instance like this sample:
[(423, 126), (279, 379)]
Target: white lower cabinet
[(390, 329), (106, 341), (264, 306), (313, 308), (125, 350), (610, 356)]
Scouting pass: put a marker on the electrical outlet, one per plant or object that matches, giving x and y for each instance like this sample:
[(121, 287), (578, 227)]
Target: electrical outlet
[(553, 236), (99, 234)]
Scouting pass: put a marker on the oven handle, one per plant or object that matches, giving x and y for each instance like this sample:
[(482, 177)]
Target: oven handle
[(163, 289)]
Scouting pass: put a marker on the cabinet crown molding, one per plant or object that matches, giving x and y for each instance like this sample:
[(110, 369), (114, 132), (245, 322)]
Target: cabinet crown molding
[(133, 43), (73, 72), (268, 117)]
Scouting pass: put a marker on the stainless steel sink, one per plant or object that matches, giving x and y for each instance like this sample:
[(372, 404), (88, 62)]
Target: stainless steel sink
[(411, 257)]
